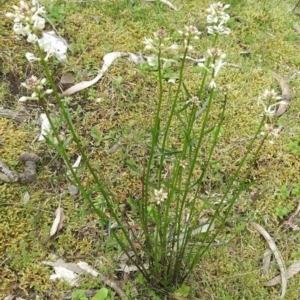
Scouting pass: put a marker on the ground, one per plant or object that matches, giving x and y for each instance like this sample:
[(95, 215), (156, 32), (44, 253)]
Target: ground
[(120, 107)]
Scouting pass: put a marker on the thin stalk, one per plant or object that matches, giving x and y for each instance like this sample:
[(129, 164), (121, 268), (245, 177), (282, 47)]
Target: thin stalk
[(91, 170), (249, 148)]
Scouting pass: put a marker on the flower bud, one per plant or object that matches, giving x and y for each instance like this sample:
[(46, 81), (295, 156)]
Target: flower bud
[(31, 58), (49, 91), (43, 81), (23, 99), (9, 15)]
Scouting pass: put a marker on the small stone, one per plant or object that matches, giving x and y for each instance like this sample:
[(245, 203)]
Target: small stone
[(73, 190), (29, 156)]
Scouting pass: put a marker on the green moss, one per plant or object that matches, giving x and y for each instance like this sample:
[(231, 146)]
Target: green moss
[(261, 30)]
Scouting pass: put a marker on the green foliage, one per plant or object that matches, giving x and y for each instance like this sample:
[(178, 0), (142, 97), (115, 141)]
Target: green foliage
[(294, 146), (102, 294), (281, 212), (79, 295), (56, 13), (284, 192)]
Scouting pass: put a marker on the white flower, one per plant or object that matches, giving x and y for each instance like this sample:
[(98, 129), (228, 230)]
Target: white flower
[(22, 30), (32, 38), (192, 30), (31, 58), (160, 196), (212, 19), (217, 66), (39, 23), (49, 91), (217, 8), (174, 47), (273, 131), (10, 15), (41, 11), (194, 100), (212, 85), (218, 29), (270, 95)]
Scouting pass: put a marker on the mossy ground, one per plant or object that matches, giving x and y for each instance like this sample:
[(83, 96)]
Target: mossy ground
[(262, 29)]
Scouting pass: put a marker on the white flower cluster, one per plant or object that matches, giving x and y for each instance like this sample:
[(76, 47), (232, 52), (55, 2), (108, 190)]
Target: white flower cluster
[(37, 86), (214, 64), (189, 32), (268, 97), (157, 44), (160, 196), (27, 21), (218, 19)]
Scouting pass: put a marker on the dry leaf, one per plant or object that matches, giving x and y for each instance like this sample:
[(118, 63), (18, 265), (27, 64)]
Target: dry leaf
[(266, 261), (67, 78), (69, 271), (287, 94), (58, 221), (168, 3), (290, 272), (45, 127), (77, 162), (114, 148), (26, 197), (108, 60), (69, 266), (86, 267), (136, 58), (277, 255), (61, 272)]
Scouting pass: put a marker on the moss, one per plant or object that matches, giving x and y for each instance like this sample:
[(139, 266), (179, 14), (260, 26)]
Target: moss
[(261, 30)]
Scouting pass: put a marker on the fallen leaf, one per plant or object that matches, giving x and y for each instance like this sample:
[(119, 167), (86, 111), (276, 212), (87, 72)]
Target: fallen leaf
[(67, 78), (45, 127), (290, 272), (287, 94), (61, 272), (136, 58), (168, 3), (77, 162), (108, 60), (266, 261), (277, 255), (26, 197), (86, 267), (58, 221), (69, 266), (114, 148)]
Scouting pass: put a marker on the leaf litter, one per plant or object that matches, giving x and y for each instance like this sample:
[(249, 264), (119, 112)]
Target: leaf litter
[(277, 254)]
